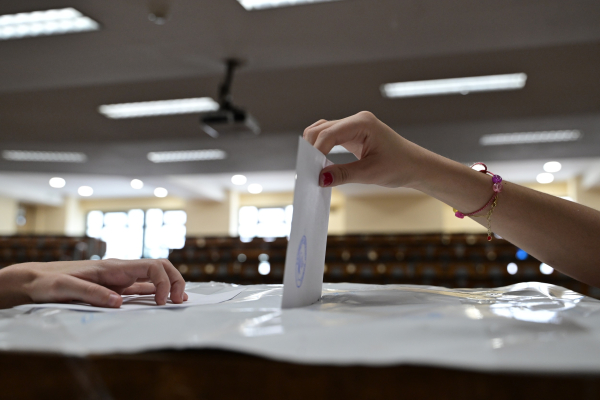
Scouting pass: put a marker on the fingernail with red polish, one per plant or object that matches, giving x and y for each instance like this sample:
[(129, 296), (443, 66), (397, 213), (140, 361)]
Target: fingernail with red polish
[(326, 179)]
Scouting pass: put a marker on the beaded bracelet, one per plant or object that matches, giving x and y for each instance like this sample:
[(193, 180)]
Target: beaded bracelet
[(497, 188)]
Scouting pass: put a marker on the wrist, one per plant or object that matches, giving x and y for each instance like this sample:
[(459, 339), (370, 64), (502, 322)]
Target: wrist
[(452, 183), (15, 284)]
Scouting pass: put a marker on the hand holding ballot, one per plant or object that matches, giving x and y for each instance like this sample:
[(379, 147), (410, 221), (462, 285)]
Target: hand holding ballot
[(561, 233), (97, 282)]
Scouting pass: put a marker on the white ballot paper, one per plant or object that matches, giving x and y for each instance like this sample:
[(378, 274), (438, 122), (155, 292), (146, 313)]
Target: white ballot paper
[(305, 257), (141, 302)]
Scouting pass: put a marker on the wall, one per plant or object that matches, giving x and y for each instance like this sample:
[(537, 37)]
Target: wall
[(369, 214), (8, 216)]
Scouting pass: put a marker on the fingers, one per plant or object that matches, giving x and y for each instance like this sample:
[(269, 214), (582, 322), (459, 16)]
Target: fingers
[(312, 132), (347, 130), (140, 288), (339, 174), (62, 288), (164, 277), (177, 282)]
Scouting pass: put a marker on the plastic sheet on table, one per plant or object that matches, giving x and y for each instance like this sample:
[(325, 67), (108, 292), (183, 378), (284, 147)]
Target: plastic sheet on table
[(524, 327)]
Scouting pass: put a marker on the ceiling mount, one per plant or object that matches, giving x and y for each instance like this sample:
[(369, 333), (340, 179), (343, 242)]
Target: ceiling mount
[(228, 119)]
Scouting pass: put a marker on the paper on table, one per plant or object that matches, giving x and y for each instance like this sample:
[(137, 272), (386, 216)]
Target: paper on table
[(305, 257), (145, 302)]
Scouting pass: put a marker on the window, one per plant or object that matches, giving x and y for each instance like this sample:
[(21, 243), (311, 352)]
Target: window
[(264, 222), (137, 233)]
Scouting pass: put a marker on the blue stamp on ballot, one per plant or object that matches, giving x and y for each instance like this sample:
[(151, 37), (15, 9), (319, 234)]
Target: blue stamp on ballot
[(301, 262)]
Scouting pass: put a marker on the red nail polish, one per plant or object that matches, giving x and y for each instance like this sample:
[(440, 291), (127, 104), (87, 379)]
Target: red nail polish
[(327, 179)]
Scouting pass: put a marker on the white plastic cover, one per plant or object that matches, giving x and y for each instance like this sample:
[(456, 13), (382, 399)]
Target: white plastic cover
[(524, 327)]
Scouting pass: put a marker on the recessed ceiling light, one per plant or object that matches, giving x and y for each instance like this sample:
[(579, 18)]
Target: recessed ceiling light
[(255, 188), (57, 182), (552, 166), (44, 23), (262, 4), (338, 150), (238, 179), (545, 177), (454, 85), (158, 108), (186, 155), (43, 156), (161, 192), (85, 191), (137, 184), (497, 139)]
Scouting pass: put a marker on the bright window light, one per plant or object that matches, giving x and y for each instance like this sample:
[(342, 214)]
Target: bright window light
[(161, 192), (498, 139), (158, 108), (57, 182), (186, 155), (338, 150), (137, 184), (135, 234), (255, 188), (238, 180), (265, 223), (262, 4), (45, 23), (512, 268), (454, 85), (43, 156), (545, 177), (552, 166), (85, 191), (546, 269)]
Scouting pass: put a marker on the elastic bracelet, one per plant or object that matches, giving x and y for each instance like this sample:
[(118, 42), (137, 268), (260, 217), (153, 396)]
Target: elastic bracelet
[(497, 188)]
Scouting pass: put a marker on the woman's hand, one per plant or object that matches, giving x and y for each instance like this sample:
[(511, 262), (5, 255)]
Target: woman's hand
[(99, 283), (558, 232), (385, 158)]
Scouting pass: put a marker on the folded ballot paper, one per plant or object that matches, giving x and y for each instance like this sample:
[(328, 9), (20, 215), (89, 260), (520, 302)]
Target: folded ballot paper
[(305, 257)]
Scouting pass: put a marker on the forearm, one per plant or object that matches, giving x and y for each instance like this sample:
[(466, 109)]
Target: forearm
[(14, 282), (563, 234)]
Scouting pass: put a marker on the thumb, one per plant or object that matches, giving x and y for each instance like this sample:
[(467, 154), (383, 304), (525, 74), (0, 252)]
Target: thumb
[(65, 288), (339, 174)]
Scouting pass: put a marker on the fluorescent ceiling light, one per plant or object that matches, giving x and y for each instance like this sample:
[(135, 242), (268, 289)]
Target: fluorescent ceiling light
[(262, 4), (454, 85), (497, 139), (338, 150), (44, 23), (44, 156), (186, 155), (158, 108)]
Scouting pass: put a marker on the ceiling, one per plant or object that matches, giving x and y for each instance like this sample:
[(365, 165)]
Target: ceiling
[(304, 63)]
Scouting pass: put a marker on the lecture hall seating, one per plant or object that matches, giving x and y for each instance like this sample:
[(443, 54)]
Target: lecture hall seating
[(458, 260)]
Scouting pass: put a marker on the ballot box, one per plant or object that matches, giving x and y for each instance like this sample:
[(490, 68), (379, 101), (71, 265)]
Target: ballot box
[(527, 340)]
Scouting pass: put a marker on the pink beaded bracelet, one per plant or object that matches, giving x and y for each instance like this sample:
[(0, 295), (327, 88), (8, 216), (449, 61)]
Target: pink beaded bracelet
[(497, 188)]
